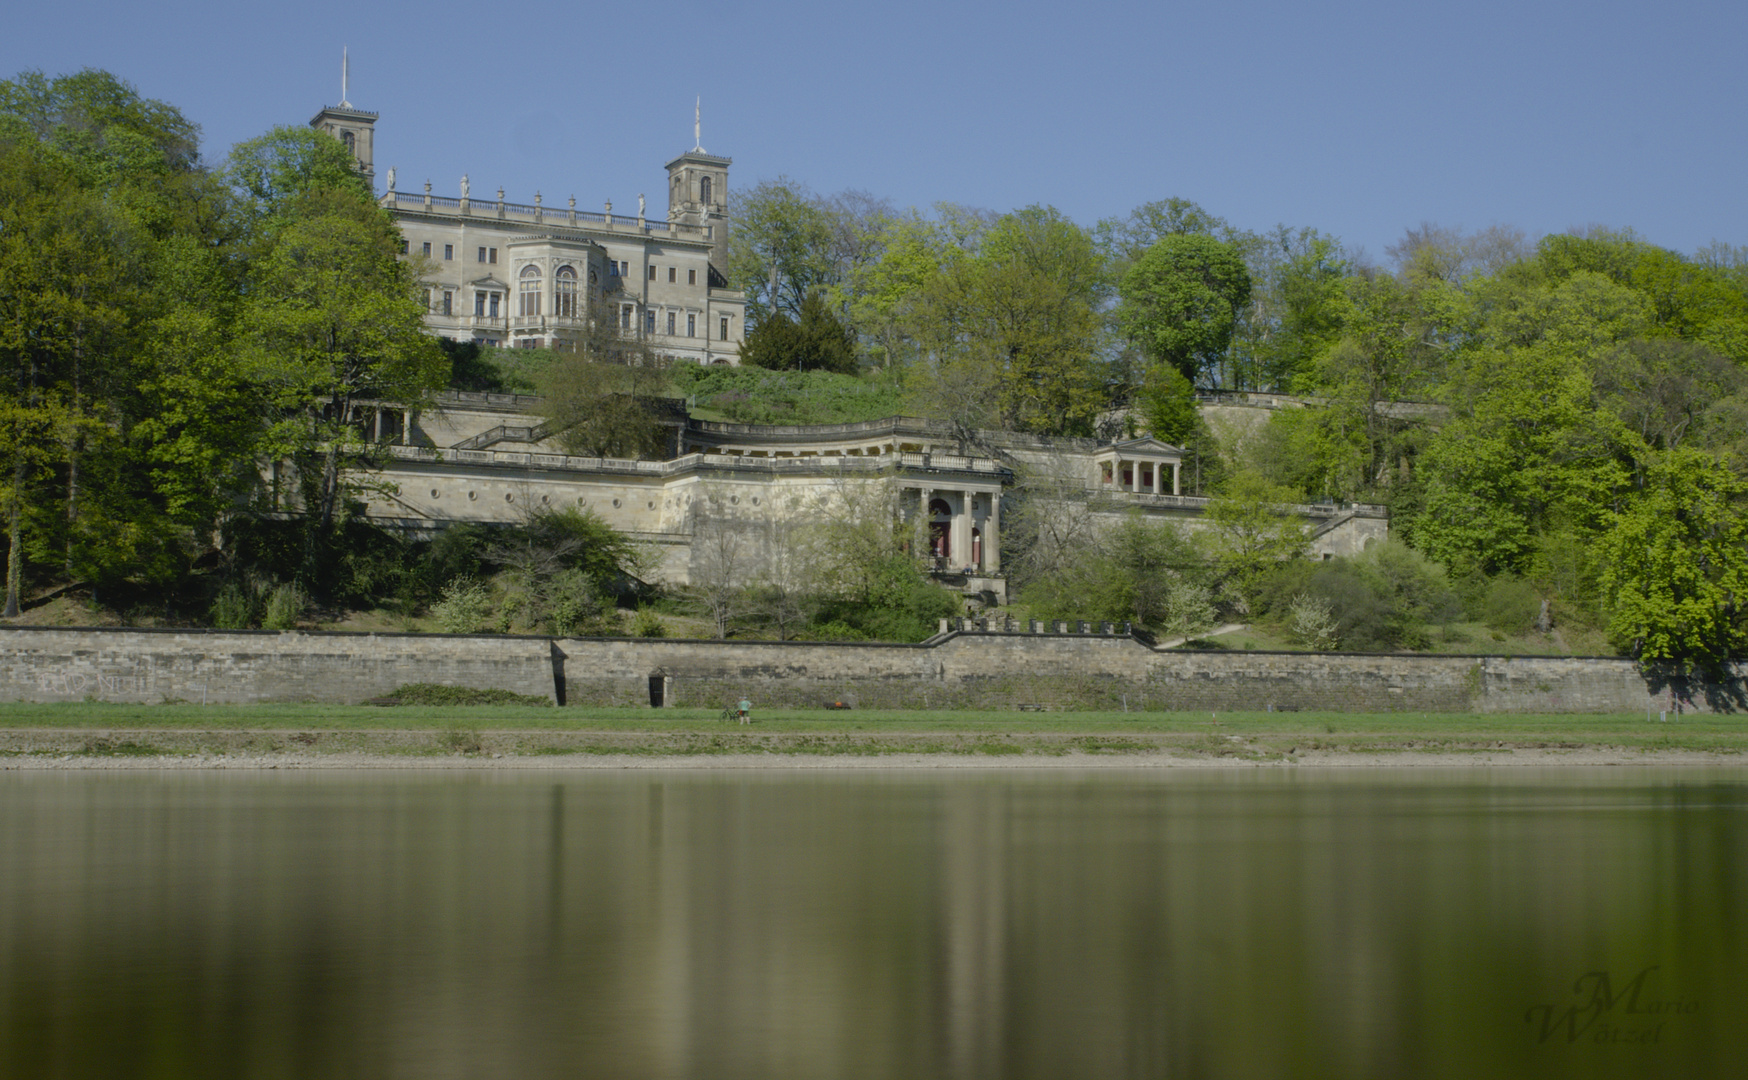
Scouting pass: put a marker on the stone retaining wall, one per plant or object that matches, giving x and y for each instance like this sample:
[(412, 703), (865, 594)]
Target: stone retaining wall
[(961, 670), (244, 666)]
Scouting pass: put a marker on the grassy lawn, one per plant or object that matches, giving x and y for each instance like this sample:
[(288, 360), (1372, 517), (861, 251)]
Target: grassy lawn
[(115, 730)]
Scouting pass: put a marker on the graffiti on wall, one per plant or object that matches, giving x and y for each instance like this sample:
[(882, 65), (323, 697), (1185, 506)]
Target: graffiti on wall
[(80, 683)]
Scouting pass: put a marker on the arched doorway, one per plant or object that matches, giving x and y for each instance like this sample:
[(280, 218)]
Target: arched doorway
[(977, 548), (940, 530)]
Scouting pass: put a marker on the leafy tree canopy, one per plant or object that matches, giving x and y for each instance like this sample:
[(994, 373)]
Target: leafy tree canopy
[(1182, 300)]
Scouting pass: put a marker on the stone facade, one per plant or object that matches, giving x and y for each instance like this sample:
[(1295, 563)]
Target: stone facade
[(513, 274), (968, 670), (487, 458)]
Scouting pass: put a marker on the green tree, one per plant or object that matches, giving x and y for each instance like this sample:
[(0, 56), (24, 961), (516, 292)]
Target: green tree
[(1148, 573), (781, 247), (1297, 306), (1321, 453), (600, 409), (1167, 402), (815, 342), (879, 295), (603, 398), (1181, 301), (112, 217), (1675, 567), (1122, 241), (1533, 456), (1252, 528), (1667, 391), (1020, 316), (333, 322)]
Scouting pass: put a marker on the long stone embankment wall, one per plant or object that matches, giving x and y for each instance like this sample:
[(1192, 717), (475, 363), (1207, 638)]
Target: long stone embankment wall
[(249, 666), (961, 670)]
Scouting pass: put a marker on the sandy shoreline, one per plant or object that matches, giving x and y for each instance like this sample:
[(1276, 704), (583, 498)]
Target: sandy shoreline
[(292, 760)]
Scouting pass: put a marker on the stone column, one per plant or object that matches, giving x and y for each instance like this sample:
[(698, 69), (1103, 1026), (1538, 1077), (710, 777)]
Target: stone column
[(961, 545), (1175, 467), (992, 535), (1135, 476), (925, 533)]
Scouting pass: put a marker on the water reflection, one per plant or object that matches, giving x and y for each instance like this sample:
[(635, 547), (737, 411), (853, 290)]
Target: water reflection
[(1264, 923)]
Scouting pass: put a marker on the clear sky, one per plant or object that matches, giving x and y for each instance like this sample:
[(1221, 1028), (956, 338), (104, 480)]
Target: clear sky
[(1360, 118)]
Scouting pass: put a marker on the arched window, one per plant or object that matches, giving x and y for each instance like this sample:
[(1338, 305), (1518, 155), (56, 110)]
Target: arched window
[(351, 142), (564, 292), (940, 530), (528, 288), (704, 190)]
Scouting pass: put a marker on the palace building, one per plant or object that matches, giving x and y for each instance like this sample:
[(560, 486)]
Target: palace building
[(529, 275)]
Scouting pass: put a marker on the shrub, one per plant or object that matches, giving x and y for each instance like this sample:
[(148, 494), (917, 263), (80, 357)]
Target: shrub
[(1510, 605), (463, 608), (648, 624), (1313, 622), (575, 605), (236, 607), (285, 605)]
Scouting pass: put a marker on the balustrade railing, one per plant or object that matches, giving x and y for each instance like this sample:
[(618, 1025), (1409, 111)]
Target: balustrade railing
[(543, 214)]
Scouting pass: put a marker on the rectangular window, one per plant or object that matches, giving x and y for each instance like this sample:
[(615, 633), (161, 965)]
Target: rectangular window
[(624, 269), (403, 246), (612, 268), (479, 304), (671, 275), (494, 304), (448, 302), (482, 255), (649, 322), (652, 273), (427, 249), (670, 324), (725, 328), (691, 277), (691, 326), (448, 252), (625, 317), (427, 299)]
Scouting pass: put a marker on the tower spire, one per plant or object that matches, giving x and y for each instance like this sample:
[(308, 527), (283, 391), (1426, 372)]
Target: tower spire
[(345, 77), (698, 123)]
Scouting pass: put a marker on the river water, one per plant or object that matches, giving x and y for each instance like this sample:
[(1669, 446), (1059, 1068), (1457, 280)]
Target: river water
[(1004, 923)]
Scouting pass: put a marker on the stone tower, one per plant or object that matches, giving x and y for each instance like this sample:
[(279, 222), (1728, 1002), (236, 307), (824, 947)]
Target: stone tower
[(354, 127), (698, 191)]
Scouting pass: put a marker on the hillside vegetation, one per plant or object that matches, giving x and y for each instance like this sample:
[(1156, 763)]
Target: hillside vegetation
[(169, 325)]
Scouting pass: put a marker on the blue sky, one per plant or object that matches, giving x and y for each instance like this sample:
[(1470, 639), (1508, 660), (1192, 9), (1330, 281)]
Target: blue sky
[(1360, 119)]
